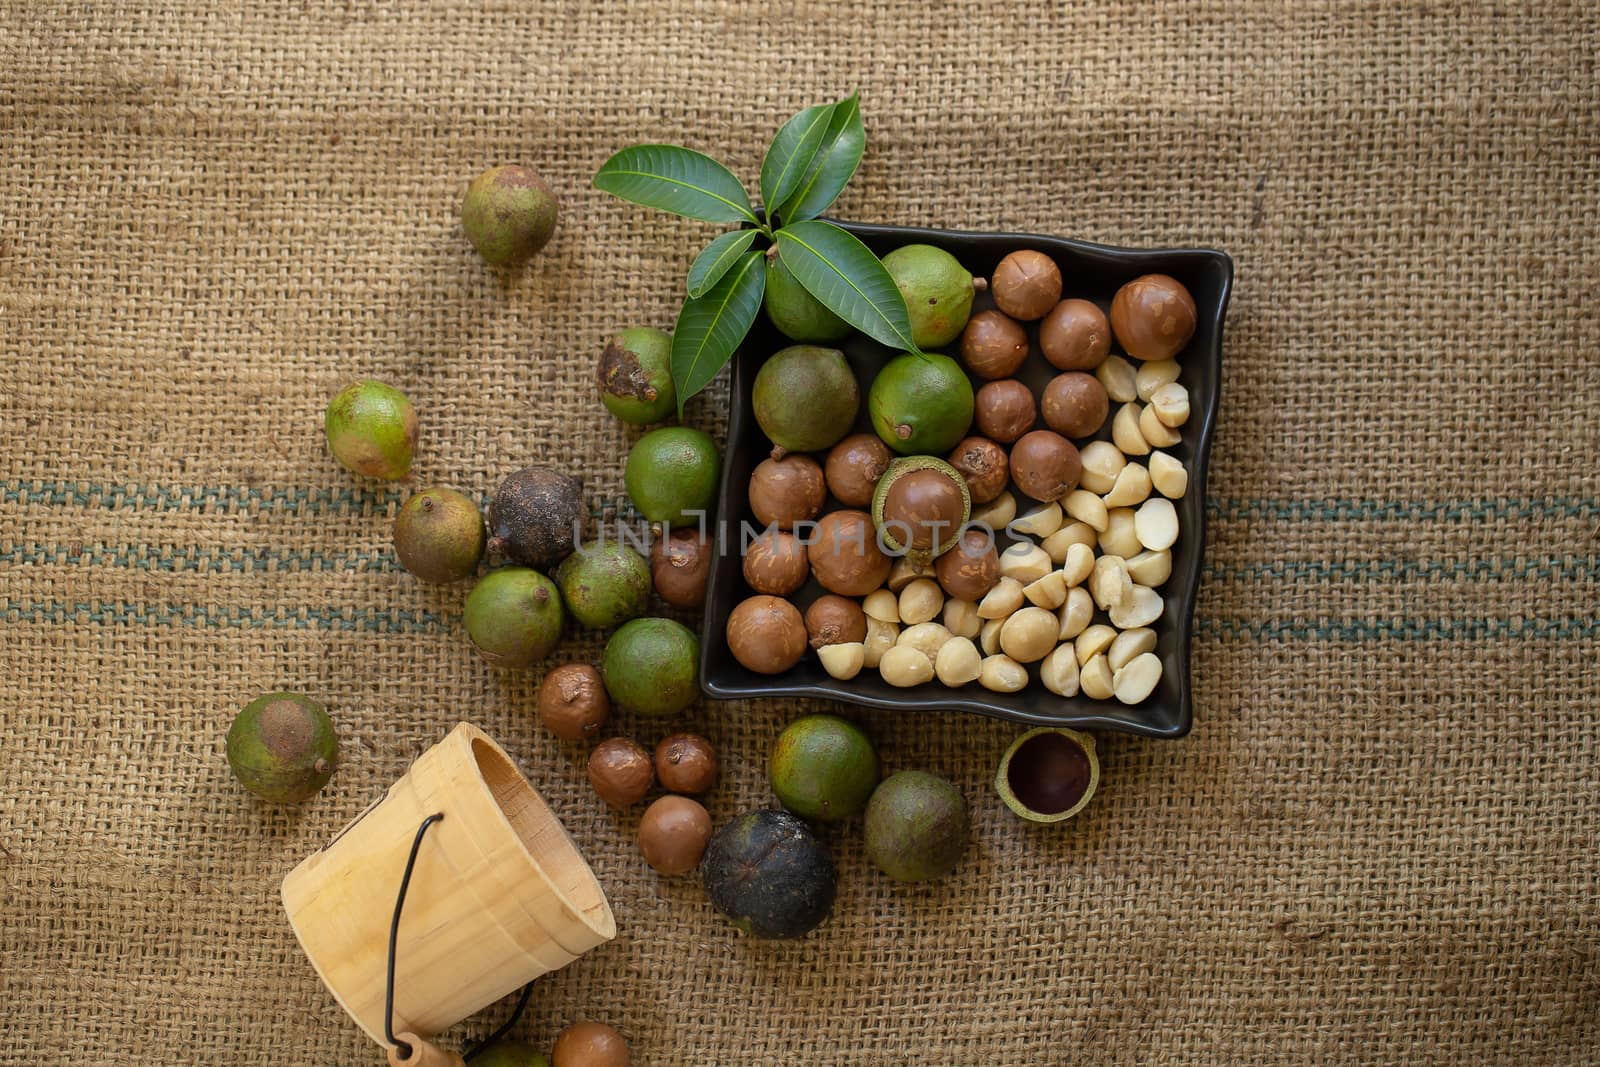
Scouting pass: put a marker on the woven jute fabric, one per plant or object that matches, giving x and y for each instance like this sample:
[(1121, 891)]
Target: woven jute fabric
[(1378, 845)]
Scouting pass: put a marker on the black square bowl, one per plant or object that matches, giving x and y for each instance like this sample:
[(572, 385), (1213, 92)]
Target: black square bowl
[(1092, 272)]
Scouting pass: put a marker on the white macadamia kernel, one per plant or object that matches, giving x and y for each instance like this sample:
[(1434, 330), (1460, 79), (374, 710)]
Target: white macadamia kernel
[(1087, 508), (1094, 678), (1076, 614), (903, 666), (1059, 672), (1137, 679), (1169, 477), (843, 661), (1156, 523), (1125, 432), (920, 601), (1119, 378), (1102, 462), (1002, 600), (1142, 608), (1002, 674), (1153, 375), (958, 662)]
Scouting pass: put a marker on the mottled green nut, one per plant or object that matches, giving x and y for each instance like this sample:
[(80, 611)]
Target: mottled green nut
[(372, 429), (652, 667), (508, 214), (604, 583), (636, 376), (823, 768), (282, 747), (514, 617), (916, 827), (672, 475), (439, 536), (510, 1054), (797, 314)]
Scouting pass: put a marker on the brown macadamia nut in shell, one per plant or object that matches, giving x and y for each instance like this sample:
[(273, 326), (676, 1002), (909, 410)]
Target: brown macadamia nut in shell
[(686, 763), (590, 1045), (1026, 284), (922, 506), (845, 555), (1153, 317), (1075, 404), (1005, 410), (766, 634), (679, 567), (970, 569), (673, 833), (775, 563), (572, 702), (835, 620), (992, 345), (620, 771), (1075, 336), (786, 491), (1045, 465), (984, 465), (854, 467)]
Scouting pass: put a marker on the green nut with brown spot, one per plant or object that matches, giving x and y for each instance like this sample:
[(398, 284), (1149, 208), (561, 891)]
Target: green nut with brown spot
[(372, 429), (509, 214), (282, 747), (636, 376), (439, 535), (919, 507)]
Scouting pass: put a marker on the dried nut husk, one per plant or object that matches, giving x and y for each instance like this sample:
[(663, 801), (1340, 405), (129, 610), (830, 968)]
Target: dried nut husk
[(1134, 683), (1041, 521), (903, 667), (1094, 678), (1120, 538), (957, 662), (1002, 674), (1002, 600), (1151, 568), (844, 661), (1119, 378), (997, 513), (1153, 375), (1087, 508), (882, 605), (1029, 635), (926, 637), (906, 571), (1048, 774), (1057, 544), (1168, 476), (1093, 641), (1156, 523), (1024, 561), (1125, 432), (961, 618), (1076, 614), (989, 636), (1156, 433), (920, 601), (1059, 671), (1049, 592), (881, 637), (1132, 487), (1110, 584), (920, 506), (1078, 565), (1130, 643), (1141, 608), (1171, 404), (1102, 462)]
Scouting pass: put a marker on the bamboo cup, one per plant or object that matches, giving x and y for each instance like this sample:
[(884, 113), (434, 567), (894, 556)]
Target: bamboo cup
[(498, 897)]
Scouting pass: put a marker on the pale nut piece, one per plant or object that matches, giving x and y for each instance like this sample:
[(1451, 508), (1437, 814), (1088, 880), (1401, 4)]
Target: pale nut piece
[(1119, 378), (905, 572), (958, 662), (1102, 461), (1078, 565), (1076, 614), (1135, 681), (1120, 538), (882, 605), (1002, 674), (1094, 678), (1029, 635), (1059, 672), (920, 601), (904, 667), (1171, 404), (1110, 584), (1073, 533), (996, 514), (1156, 523), (1142, 608), (1087, 508), (1093, 641), (1005, 598), (881, 637), (1049, 592), (1153, 375), (1041, 521), (1151, 568), (843, 661), (926, 637), (1024, 561), (1125, 432), (961, 618), (1132, 487), (989, 637), (1156, 433), (1130, 643), (1168, 475)]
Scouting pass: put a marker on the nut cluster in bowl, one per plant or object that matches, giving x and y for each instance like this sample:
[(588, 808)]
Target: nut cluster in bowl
[(1007, 537)]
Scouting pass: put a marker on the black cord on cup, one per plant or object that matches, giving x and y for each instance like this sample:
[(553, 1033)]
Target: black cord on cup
[(505, 1027), (394, 937)]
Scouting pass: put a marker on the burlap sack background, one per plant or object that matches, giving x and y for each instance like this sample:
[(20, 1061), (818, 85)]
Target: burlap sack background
[(1378, 844)]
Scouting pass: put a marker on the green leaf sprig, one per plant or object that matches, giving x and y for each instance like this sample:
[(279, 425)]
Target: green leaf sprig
[(807, 166)]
